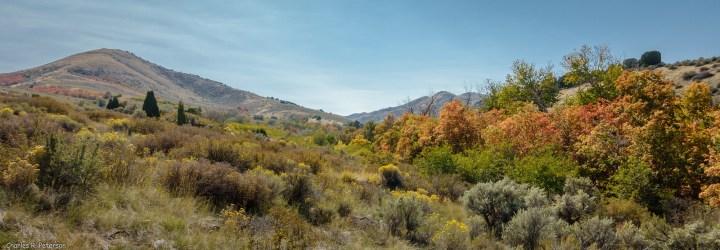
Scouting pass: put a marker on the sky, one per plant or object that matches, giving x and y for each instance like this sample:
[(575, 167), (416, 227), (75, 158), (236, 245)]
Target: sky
[(347, 56)]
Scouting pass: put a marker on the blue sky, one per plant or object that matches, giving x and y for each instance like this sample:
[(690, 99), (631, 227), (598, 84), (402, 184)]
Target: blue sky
[(353, 56)]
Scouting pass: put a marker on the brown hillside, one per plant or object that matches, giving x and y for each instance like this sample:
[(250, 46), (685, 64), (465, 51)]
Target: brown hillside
[(121, 72)]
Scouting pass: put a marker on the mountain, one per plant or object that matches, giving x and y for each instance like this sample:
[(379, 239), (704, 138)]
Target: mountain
[(92, 74), (425, 104)]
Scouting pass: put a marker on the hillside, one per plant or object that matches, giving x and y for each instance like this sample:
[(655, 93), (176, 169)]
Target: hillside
[(682, 73), (417, 106), (91, 74)]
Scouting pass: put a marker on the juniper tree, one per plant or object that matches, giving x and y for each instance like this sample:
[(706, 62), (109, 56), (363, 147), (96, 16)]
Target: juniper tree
[(150, 105)]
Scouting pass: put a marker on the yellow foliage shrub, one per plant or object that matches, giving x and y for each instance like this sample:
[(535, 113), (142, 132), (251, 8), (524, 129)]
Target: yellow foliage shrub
[(19, 174)]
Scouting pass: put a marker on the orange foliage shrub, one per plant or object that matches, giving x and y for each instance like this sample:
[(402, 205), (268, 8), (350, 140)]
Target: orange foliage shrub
[(458, 127), (525, 132)]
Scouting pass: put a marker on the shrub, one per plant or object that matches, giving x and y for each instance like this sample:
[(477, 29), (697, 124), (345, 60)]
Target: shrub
[(69, 166), (391, 176), (650, 58), (496, 202), (299, 190), (228, 153), (221, 184), (702, 75), (97, 115), (482, 166), (631, 63), (448, 186), (529, 227), (624, 211), (688, 75), (437, 160), (49, 105), (545, 170), (344, 209), (19, 174), (703, 69), (318, 215), (476, 226), (578, 200), (291, 231), (452, 235), (596, 232), (629, 236), (146, 126), (403, 215)]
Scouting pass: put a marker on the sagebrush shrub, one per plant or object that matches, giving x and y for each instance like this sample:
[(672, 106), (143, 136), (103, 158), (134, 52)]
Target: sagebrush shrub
[(496, 202), (595, 231), (529, 227), (403, 215)]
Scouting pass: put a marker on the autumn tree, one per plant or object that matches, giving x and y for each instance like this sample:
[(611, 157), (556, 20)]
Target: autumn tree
[(457, 126), (150, 105), (526, 84), (594, 66)]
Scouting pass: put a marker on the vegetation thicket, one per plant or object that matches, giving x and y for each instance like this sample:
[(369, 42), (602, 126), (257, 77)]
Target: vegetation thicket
[(624, 164)]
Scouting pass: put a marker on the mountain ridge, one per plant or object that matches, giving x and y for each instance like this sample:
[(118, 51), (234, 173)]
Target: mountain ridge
[(122, 72), (425, 104)]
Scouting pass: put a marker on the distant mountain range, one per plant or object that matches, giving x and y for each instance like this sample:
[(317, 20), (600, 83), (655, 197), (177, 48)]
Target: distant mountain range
[(426, 104), (91, 74)]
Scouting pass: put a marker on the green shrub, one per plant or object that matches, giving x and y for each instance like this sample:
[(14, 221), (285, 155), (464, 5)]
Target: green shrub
[(624, 211), (344, 209), (631, 63), (482, 166), (437, 160), (546, 171), (530, 227), (391, 176), (75, 166), (650, 58)]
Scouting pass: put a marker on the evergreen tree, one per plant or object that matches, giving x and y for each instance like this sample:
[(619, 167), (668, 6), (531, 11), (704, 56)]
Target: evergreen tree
[(150, 105), (113, 103), (181, 119)]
